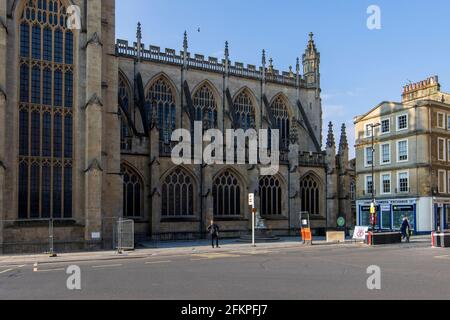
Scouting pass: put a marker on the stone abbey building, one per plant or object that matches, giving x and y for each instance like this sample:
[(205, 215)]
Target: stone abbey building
[(86, 123)]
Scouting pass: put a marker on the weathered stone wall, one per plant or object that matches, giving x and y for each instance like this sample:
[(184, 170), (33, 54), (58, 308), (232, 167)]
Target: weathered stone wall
[(3, 97)]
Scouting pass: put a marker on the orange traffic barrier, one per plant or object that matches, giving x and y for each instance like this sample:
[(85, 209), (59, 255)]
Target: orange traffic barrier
[(306, 234)]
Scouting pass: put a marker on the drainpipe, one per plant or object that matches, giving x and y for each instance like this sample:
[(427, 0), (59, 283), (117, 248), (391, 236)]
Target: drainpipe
[(430, 168)]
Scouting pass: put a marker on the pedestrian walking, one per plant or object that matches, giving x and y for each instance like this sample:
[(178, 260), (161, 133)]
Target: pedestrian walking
[(406, 229), (213, 230)]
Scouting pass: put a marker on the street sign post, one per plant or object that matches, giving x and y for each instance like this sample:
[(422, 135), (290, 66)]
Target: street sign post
[(251, 202)]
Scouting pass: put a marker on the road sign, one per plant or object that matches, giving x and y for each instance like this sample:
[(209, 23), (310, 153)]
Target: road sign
[(372, 209), (341, 222), (251, 199), (360, 233)]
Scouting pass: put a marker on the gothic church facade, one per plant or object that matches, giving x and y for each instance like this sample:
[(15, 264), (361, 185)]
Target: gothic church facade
[(86, 124)]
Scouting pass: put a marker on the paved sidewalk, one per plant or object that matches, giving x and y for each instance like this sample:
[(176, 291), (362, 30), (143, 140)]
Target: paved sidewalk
[(182, 248)]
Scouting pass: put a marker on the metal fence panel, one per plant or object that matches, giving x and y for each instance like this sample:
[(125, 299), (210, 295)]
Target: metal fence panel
[(125, 235)]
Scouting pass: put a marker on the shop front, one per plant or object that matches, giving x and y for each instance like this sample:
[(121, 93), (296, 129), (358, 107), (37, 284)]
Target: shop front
[(390, 214), (441, 214)]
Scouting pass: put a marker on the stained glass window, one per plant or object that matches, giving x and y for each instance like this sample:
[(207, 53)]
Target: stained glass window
[(310, 193), (270, 195), (126, 134), (281, 115), (45, 111), (132, 193), (227, 195), (177, 195), (161, 96), (245, 111), (205, 107)]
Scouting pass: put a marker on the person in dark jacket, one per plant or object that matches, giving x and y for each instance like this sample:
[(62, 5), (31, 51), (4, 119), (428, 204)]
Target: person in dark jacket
[(214, 232), (406, 229)]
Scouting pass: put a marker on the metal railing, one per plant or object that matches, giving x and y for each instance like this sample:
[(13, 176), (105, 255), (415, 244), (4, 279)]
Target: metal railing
[(53, 236)]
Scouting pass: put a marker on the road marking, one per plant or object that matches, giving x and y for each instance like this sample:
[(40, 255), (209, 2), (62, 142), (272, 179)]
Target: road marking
[(212, 256), (256, 252), (13, 266), (158, 262), (107, 266), (49, 270), (442, 257), (35, 269), (5, 271)]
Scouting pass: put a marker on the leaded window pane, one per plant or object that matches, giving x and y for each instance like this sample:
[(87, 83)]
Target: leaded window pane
[(270, 196), (126, 136), (23, 133), (226, 195), (205, 107), (68, 143), (36, 42), (23, 190), (310, 192), (68, 90), (34, 191), (24, 40), (58, 89), (47, 45), (132, 192), (24, 83), (69, 48), (57, 192), (36, 85), (281, 115), (35, 134), (177, 197), (47, 87), (58, 46), (46, 191), (161, 96), (57, 136), (245, 111)]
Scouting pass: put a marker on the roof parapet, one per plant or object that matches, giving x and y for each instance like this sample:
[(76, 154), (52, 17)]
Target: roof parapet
[(212, 64)]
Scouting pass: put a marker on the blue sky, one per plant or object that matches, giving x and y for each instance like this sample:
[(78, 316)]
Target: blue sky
[(360, 67)]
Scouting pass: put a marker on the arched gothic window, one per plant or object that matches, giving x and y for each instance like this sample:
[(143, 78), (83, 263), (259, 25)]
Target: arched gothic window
[(126, 134), (310, 192), (281, 115), (270, 195), (245, 111), (45, 111), (227, 195), (161, 96), (205, 107), (178, 195), (132, 193)]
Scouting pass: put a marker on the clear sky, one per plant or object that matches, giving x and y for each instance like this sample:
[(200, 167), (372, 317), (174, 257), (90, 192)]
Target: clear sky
[(359, 67)]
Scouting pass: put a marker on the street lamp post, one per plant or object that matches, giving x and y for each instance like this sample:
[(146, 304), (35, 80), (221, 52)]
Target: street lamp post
[(373, 126)]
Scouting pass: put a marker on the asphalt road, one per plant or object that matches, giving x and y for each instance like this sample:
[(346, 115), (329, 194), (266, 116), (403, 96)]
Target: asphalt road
[(292, 274)]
